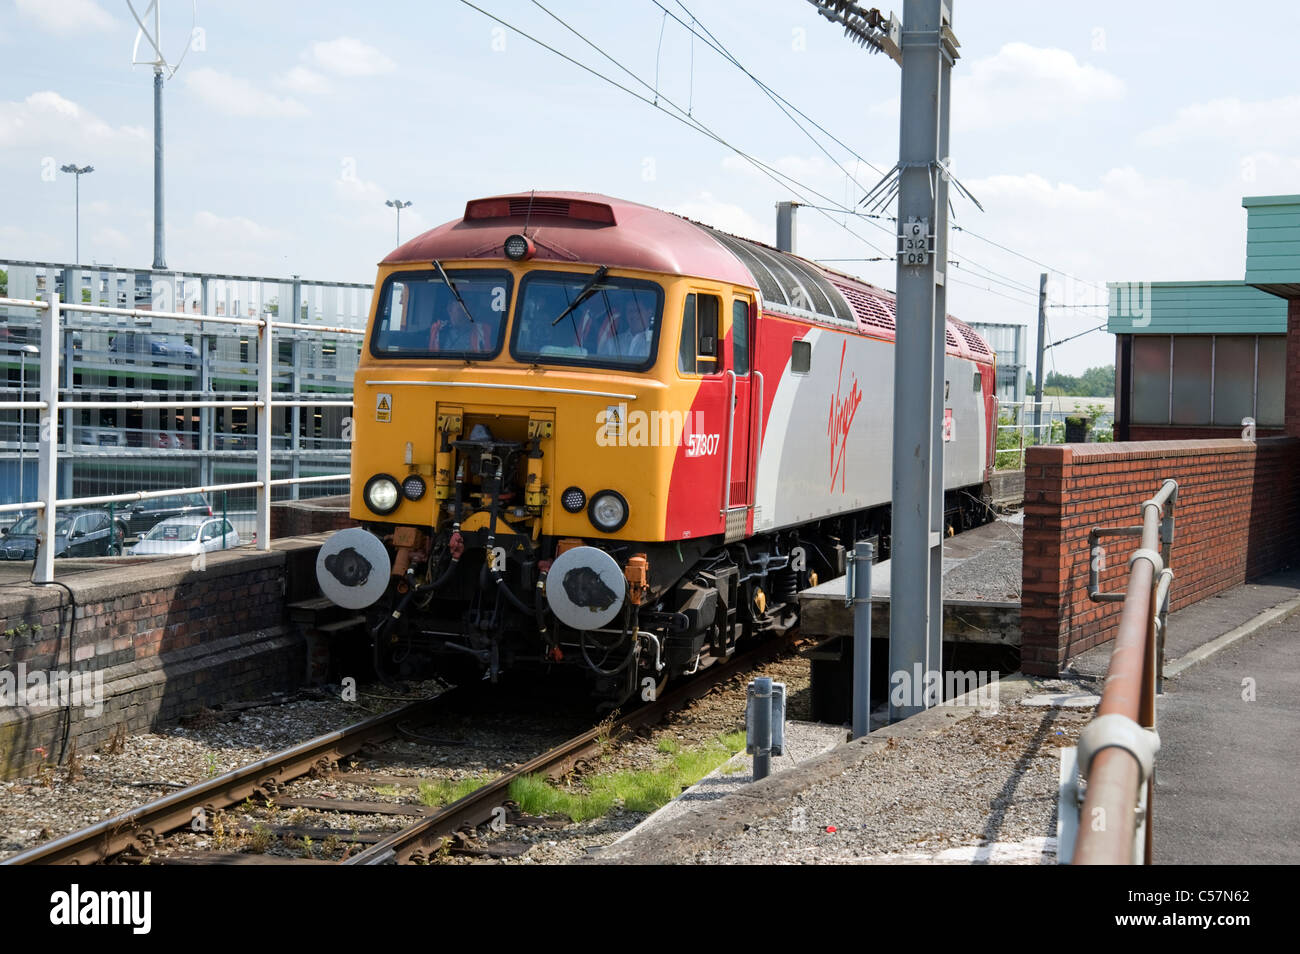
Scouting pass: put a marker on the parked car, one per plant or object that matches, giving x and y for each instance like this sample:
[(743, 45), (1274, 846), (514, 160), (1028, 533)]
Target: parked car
[(100, 436), (143, 515), (77, 533), (177, 440), (188, 535), (148, 347)]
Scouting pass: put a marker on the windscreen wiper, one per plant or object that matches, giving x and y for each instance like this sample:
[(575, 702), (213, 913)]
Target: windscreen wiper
[(447, 281), (587, 291)]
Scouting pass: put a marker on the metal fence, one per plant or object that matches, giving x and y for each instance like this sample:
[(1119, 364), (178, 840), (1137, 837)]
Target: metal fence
[(238, 392), (1016, 429)]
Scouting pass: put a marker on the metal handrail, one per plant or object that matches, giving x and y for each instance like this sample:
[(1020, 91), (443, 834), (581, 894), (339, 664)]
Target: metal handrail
[(51, 400), (1117, 749)]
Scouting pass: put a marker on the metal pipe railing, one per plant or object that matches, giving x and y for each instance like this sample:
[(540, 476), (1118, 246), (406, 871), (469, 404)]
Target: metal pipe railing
[(52, 403), (1116, 752)]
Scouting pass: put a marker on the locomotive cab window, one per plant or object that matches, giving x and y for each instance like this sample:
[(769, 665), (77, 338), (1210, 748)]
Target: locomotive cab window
[(698, 353), (589, 320), (740, 337), (420, 316)]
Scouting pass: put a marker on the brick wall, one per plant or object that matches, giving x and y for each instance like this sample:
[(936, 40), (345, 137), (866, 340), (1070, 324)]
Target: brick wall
[(165, 637), (1165, 432), (318, 515), (1236, 518)]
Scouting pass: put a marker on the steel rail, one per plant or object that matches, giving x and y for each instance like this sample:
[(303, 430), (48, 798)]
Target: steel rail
[(140, 826), (426, 837), (1115, 776)]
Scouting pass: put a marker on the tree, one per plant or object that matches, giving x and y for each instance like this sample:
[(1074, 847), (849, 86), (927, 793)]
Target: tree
[(4, 283), (1095, 382)]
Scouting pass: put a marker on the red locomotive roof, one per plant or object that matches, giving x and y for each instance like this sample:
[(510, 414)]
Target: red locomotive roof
[(592, 229), (640, 237)]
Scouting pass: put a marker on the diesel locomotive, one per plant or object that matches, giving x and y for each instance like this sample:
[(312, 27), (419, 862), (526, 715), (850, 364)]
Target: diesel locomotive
[(592, 433)]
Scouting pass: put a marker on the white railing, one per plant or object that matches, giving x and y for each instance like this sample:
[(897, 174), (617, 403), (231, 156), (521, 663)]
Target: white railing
[(49, 404)]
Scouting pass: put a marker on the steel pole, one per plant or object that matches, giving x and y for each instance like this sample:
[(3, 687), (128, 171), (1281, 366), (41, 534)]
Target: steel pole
[(912, 534), (77, 246), (159, 260), (863, 554), (22, 427), (1038, 367), (762, 727), (939, 383), (47, 488), (264, 390)]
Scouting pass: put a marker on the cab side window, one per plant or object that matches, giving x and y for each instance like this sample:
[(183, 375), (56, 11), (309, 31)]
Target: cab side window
[(740, 337), (698, 352)]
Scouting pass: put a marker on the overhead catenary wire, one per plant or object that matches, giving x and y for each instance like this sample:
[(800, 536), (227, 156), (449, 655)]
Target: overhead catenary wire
[(719, 47), (680, 115), (783, 179)]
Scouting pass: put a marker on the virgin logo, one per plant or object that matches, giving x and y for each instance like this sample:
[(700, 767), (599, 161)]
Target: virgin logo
[(843, 410)]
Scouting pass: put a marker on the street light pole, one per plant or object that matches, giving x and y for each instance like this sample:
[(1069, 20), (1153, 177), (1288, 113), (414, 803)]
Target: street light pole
[(23, 352), (77, 171), (399, 205)]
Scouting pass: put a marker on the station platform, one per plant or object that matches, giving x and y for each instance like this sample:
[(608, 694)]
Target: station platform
[(981, 590), (981, 616), (970, 783)]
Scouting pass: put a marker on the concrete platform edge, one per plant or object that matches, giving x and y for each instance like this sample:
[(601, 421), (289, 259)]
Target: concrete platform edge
[(679, 839)]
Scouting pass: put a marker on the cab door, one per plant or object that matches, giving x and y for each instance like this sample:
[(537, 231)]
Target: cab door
[(740, 427)]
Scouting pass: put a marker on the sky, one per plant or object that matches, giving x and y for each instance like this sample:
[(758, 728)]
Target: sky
[(1105, 141)]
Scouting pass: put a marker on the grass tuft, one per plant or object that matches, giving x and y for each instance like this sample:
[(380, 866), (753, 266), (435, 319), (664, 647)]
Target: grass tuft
[(644, 790), (444, 792)]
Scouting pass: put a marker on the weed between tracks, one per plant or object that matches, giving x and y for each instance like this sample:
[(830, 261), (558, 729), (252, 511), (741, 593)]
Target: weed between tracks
[(637, 791), (444, 791)]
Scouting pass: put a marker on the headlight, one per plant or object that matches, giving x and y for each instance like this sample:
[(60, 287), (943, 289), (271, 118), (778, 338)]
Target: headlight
[(413, 487), (607, 510), (573, 500), (519, 247), (382, 494)]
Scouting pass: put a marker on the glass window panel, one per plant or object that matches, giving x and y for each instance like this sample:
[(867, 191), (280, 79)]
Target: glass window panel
[(1234, 378), (740, 337), (1272, 380), (686, 354), (1150, 379), (1191, 388)]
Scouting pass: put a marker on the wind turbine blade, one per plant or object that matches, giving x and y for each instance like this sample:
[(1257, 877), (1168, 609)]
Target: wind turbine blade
[(144, 31)]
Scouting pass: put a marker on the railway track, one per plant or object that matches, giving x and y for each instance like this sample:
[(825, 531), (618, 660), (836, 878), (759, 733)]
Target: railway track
[(136, 833)]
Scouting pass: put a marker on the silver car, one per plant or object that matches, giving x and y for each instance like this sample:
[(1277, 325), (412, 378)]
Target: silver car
[(178, 536)]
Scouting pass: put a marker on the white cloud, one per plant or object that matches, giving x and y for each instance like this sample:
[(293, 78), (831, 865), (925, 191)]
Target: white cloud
[(1027, 82), (351, 187), (703, 207), (65, 16), (46, 119), (1230, 119), (1022, 82), (235, 230), (235, 96), (108, 241), (302, 80), (348, 56)]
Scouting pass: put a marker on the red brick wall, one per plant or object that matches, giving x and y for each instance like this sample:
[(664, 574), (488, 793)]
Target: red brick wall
[(1236, 517), (302, 517)]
